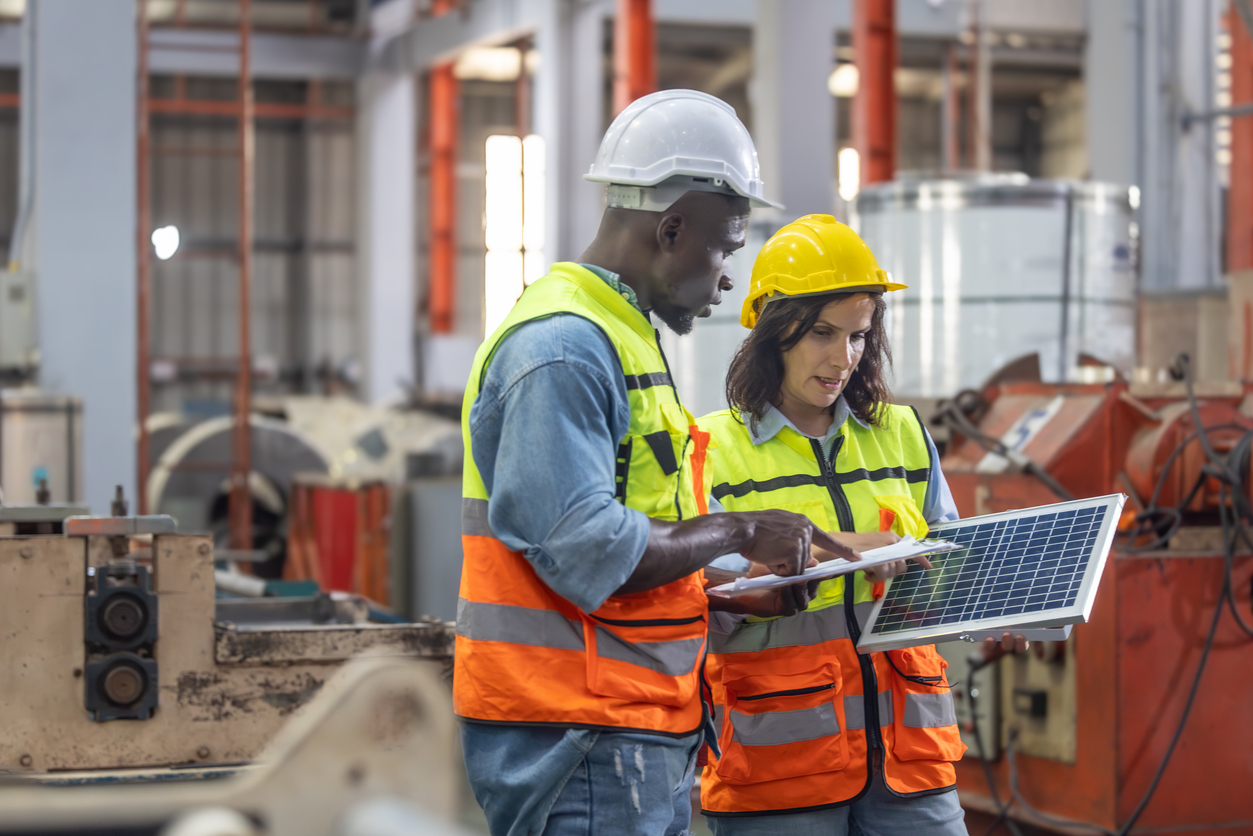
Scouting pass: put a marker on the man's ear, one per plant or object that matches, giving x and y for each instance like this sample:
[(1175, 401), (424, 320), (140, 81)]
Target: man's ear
[(668, 231)]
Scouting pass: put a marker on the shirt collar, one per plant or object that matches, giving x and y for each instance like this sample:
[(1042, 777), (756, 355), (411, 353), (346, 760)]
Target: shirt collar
[(615, 281), (773, 422)]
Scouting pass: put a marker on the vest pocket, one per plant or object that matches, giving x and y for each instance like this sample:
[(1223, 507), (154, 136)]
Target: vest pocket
[(925, 721), (780, 725), (645, 660)]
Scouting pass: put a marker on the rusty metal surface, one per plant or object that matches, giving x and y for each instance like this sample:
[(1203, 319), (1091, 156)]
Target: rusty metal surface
[(120, 526), (332, 643), (381, 728)]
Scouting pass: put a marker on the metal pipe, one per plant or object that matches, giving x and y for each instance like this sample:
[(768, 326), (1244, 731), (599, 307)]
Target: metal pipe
[(143, 281), (240, 501), (983, 87), (634, 53), (874, 107), (444, 100), (951, 150), (1240, 175)]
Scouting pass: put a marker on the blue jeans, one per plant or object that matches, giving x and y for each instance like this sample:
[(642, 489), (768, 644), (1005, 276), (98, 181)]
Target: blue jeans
[(877, 813), (579, 782)]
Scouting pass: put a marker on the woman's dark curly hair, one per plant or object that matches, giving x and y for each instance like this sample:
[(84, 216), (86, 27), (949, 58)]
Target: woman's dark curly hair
[(756, 371)]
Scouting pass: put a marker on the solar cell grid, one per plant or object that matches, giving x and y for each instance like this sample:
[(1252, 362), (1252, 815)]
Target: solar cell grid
[(1007, 567)]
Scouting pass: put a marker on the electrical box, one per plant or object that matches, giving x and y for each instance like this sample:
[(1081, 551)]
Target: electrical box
[(1038, 701), (18, 350)]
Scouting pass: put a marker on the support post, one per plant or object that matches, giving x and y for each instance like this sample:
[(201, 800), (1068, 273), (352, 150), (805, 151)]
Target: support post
[(386, 217), (874, 108), (143, 259), (444, 115), (634, 53), (1240, 174), (793, 111), (82, 69), (950, 137), (240, 508)]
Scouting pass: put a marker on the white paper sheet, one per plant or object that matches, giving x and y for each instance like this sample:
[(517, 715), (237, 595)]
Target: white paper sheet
[(906, 548)]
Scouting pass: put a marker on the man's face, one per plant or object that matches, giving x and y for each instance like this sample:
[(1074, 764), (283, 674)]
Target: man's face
[(692, 274)]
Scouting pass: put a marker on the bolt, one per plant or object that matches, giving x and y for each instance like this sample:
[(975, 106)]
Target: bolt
[(202, 752), (26, 552), (123, 684), (123, 616), (203, 549), (26, 760), (78, 672)]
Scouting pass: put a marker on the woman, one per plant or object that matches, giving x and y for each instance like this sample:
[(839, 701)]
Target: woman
[(814, 737)]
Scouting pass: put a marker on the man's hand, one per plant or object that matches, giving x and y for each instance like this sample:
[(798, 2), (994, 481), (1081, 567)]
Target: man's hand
[(782, 542), (1009, 643), (783, 600)]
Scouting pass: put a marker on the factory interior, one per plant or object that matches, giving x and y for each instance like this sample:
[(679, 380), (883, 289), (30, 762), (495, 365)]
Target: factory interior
[(255, 245)]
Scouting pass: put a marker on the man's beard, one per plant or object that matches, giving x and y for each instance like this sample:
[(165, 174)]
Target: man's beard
[(676, 319)]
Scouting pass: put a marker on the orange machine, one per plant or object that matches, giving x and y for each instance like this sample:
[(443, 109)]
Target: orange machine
[(338, 534), (1086, 724)]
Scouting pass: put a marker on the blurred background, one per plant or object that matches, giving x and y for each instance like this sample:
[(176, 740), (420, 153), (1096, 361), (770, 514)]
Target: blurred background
[(253, 246)]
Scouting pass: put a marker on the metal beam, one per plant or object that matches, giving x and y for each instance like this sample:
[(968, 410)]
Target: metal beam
[(214, 52), (436, 41), (874, 108)]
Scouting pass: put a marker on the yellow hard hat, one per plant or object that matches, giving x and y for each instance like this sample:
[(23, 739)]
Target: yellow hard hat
[(813, 255)]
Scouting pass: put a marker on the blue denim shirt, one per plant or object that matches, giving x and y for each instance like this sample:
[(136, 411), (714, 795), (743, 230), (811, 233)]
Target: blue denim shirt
[(544, 431)]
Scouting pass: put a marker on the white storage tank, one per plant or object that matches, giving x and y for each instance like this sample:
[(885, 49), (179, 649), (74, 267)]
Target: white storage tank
[(999, 266)]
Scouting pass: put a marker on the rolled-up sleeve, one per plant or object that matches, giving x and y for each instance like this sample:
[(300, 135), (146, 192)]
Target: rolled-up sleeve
[(544, 433)]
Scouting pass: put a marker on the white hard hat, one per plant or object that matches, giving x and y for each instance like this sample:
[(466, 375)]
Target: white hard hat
[(666, 144)]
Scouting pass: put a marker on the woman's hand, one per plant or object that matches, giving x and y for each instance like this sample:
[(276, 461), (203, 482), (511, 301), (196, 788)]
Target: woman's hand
[(858, 541), (1009, 643)]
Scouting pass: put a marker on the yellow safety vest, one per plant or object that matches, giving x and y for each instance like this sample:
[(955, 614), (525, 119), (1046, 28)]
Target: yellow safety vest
[(797, 707), (523, 653)]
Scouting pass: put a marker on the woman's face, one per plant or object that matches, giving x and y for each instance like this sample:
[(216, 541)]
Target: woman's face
[(817, 368)]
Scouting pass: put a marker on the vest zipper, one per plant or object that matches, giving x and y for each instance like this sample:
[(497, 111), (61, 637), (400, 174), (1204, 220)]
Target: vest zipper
[(843, 513), (678, 487), (795, 692)]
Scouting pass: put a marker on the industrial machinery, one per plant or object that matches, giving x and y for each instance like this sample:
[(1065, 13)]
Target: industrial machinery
[(120, 656), (1141, 716), (374, 754)]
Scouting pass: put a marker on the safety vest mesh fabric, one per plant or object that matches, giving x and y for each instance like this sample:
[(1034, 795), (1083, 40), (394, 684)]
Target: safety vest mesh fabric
[(523, 653), (795, 710)]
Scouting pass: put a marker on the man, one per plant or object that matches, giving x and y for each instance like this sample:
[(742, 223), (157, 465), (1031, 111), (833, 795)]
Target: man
[(582, 619)]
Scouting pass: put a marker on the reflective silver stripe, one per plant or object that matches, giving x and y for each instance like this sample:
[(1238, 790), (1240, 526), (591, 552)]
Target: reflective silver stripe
[(855, 710), (803, 629), (930, 711), (474, 518), (517, 625), (774, 728), (674, 658)]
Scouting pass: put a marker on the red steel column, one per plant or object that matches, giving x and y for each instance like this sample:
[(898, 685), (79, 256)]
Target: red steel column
[(1240, 193), (444, 114), (874, 108), (241, 460), (634, 53), (143, 283)]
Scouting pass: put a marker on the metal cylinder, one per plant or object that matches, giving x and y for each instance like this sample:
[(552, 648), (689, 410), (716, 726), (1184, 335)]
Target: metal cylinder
[(999, 266)]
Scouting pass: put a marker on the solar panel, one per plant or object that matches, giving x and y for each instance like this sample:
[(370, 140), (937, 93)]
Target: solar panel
[(1029, 569)]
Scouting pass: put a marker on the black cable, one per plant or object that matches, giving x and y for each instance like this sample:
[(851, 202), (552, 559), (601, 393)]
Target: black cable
[(1002, 807), (1183, 719), (951, 415), (1231, 487), (1044, 817)]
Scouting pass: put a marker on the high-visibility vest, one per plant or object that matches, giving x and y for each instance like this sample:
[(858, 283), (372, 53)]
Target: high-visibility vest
[(524, 654), (797, 708)]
